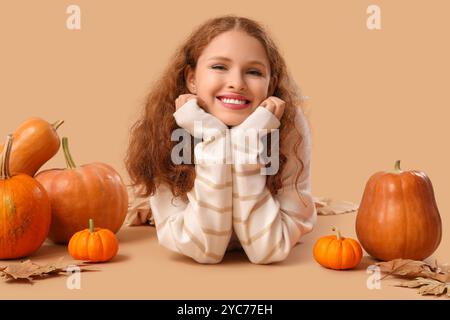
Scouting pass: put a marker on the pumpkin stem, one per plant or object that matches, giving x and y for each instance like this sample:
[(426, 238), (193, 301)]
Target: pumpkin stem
[(397, 166), (338, 233), (4, 161), (91, 225), (57, 124), (67, 155)]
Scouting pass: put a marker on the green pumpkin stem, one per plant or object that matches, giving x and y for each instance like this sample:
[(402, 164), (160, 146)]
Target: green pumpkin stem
[(4, 161), (57, 124), (338, 233), (69, 160), (397, 166), (91, 225)]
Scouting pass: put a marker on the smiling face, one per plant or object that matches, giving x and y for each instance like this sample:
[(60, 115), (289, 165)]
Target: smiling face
[(232, 76)]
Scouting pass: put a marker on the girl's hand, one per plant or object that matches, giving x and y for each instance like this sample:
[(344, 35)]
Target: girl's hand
[(274, 105), (183, 98)]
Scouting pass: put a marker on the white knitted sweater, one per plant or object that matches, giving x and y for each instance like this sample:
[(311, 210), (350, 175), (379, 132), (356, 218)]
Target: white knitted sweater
[(230, 202)]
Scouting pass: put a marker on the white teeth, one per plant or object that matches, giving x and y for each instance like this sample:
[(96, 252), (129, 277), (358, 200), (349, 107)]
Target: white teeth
[(233, 101)]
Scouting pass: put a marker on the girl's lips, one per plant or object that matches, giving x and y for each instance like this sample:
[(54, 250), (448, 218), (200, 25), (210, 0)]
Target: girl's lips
[(234, 106)]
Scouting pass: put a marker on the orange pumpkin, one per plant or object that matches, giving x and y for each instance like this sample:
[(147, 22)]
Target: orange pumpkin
[(35, 142), (93, 244), (398, 216), (337, 252), (24, 211), (76, 194)]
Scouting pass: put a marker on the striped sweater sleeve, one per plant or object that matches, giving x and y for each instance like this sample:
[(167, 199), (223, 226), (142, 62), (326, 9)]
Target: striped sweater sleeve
[(269, 226), (201, 227)]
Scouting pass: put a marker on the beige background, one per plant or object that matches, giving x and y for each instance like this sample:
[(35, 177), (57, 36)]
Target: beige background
[(374, 97)]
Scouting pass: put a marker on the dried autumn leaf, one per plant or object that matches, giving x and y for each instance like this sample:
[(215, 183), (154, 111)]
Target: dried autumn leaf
[(407, 268), (427, 286), (321, 202), (139, 211), (23, 270), (29, 270), (430, 279), (327, 206), (413, 268)]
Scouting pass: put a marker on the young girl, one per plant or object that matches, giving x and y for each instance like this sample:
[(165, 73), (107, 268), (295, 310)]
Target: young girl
[(227, 76)]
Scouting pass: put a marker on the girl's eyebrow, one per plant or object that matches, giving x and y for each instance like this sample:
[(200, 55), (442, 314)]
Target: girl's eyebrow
[(262, 64)]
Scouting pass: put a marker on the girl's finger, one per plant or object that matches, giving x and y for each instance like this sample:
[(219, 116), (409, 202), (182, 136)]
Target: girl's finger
[(264, 103), (279, 111), (274, 105), (271, 107), (276, 100), (270, 101)]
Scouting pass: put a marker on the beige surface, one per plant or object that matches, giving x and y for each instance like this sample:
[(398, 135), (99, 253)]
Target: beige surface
[(374, 97), (145, 270)]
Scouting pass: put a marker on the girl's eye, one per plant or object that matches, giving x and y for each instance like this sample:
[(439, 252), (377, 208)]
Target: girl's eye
[(218, 67), (255, 73), (221, 67)]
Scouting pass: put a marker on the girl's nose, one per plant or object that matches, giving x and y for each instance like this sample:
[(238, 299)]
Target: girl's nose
[(236, 82)]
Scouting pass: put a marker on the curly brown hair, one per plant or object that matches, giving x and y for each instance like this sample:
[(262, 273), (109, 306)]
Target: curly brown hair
[(148, 159)]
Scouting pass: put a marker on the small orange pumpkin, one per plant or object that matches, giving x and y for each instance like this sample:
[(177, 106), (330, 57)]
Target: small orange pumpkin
[(337, 252), (93, 244)]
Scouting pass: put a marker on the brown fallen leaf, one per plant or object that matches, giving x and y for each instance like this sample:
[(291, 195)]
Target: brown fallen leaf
[(427, 286), (28, 270), (327, 206), (414, 268), (139, 211), (430, 279)]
